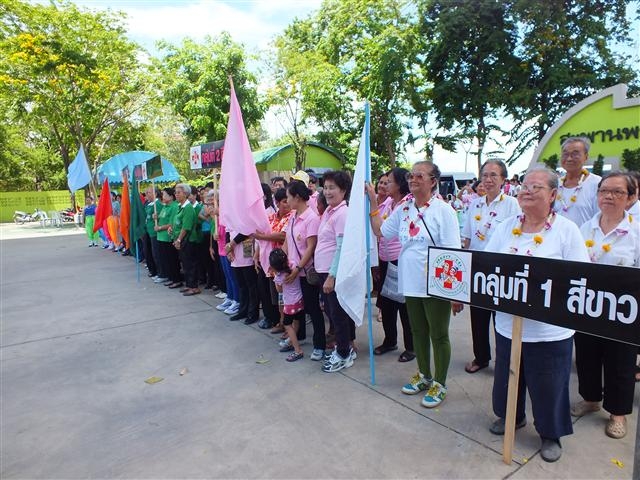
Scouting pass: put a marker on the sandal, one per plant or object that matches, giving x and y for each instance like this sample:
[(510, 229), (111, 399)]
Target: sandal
[(175, 285), (615, 428), (192, 291), (473, 366), (384, 349), (277, 329), (293, 356), (406, 356), (182, 290)]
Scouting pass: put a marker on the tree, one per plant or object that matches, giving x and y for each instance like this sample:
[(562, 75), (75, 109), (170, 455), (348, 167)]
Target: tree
[(469, 63), (194, 81), (68, 76), (566, 53), (631, 159), (598, 165)]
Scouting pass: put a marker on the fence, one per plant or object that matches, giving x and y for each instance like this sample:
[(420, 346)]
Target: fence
[(29, 201)]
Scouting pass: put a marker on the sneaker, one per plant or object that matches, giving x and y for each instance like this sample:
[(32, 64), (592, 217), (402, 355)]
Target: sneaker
[(435, 395), (160, 280), (328, 354), (233, 308), (417, 384), (497, 427), (353, 354), (284, 343), (224, 305), (264, 324), (237, 317), (317, 354), (337, 363), (551, 450), (220, 295), (287, 348)]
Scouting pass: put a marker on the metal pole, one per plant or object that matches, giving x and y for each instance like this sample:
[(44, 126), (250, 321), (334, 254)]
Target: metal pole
[(367, 210)]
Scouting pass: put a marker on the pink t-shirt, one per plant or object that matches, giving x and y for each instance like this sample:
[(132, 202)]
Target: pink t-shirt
[(303, 227), (291, 292), (331, 226), (313, 202), (222, 230), (243, 252), (389, 248)]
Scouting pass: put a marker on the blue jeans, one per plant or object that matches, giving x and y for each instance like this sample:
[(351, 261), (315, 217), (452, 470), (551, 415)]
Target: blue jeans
[(232, 286)]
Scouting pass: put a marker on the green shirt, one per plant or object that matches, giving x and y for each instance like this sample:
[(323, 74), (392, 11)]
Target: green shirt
[(149, 218), (166, 217), (187, 220)]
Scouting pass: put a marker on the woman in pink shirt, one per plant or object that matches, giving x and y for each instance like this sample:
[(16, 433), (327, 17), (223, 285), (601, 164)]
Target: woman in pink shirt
[(337, 186), (389, 250)]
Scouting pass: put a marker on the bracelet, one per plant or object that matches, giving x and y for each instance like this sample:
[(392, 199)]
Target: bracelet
[(375, 213)]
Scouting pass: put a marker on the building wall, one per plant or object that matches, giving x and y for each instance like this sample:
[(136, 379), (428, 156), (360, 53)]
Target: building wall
[(29, 201)]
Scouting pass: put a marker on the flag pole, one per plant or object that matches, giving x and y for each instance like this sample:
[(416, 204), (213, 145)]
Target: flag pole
[(367, 210)]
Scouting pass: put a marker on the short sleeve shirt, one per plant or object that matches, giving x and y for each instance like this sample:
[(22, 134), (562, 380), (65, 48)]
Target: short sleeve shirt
[(578, 204), (482, 219), (298, 230), (331, 226), (165, 217)]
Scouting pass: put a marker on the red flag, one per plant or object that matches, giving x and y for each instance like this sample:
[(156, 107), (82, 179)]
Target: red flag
[(104, 210), (125, 213)]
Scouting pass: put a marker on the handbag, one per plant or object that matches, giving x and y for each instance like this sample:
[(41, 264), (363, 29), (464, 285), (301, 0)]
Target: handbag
[(390, 286), (313, 277)]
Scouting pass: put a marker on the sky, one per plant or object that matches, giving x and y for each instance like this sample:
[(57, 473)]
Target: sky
[(254, 23)]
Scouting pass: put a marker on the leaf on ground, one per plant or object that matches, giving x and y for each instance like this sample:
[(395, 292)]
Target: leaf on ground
[(617, 463), (261, 360), (152, 380)]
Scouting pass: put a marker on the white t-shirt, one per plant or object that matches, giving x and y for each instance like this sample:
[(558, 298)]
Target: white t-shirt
[(624, 242), (585, 205), (562, 241), (405, 224), (482, 219), (635, 212)]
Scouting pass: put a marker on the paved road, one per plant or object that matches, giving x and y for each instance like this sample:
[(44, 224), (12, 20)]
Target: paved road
[(79, 336)]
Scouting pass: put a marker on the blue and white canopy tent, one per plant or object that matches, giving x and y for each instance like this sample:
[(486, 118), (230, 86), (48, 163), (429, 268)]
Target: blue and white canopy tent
[(112, 168)]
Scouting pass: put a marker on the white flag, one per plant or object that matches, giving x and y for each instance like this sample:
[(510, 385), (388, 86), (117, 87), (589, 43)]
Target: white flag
[(352, 279), (79, 174)]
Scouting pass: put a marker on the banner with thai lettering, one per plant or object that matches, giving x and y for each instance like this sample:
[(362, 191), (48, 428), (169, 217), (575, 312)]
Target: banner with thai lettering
[(597, 299), (207, 155)]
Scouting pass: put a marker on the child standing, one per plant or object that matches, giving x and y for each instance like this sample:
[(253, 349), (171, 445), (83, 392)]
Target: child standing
[(292, 299)]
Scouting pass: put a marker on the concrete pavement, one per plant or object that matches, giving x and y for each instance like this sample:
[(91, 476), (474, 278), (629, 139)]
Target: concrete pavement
[(79, 335)]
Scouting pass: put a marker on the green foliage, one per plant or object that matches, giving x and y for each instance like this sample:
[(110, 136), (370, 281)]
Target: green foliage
[(551, 162), (598, 165), (194, 79), (67, 77), (631, 159)]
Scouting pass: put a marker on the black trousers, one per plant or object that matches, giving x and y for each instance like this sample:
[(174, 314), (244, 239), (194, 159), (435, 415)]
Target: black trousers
[(217, 275), (248, 288), (148, 254), (189, 257), (480, 327), (389, 309), (343, 327), (271, 312), (595, 355), (171, 263)]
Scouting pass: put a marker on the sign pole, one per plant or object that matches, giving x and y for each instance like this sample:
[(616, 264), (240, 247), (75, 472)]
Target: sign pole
[(155, 207), (512, 394), (636, 462)]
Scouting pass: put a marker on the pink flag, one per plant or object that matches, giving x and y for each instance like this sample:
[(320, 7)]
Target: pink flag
[(241, 198)]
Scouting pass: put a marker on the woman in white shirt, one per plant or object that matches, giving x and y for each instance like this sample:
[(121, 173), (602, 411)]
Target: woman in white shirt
[(612, 238), (421, 221), (546, 349), (484, 215)]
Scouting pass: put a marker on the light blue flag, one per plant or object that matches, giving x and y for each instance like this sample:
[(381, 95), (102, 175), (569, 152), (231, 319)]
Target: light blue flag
[(79, 174)]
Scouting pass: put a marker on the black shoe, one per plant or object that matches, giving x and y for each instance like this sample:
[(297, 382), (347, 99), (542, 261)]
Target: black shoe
[(551, 450), (236, 317), (249, 321), (497, 428)]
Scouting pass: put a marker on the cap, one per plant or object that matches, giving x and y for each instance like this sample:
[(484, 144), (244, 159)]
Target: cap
[(302, 176)]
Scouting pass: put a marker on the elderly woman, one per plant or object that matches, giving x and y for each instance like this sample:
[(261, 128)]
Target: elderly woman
[(168, 254), (337, 186), (397, 188), (186, 237), (611, 239), (484, 215), (546, 349), (423, 220)]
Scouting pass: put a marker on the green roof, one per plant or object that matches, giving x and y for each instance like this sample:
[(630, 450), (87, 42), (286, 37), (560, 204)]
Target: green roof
[(264, 156)]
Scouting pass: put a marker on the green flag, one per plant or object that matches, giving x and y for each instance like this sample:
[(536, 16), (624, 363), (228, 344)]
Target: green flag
[(154, 167)]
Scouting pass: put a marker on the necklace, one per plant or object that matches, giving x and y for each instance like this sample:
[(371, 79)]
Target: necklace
[(596, 253), (538, 238), (481, 232), (574, 198)]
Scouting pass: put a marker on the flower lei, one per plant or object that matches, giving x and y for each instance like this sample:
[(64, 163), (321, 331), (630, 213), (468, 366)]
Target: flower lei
[(595, 254), (583, 175), (482, 234), (409, 198), (538, 238)]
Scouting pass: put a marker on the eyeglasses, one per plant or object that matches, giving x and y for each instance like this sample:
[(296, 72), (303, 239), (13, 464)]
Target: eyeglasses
[(418, 175), (616, 193), (532, 188), (492, 176), (573, 154)]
